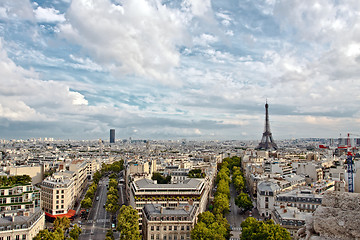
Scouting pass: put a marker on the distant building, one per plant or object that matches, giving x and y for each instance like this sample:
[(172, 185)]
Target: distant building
[(21, 216), (168, 223), (112, 135)]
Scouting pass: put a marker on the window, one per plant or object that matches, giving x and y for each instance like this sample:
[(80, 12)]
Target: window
[(164, 228), (175, 228), (8, 238), (152, 228), (57, 191), (188, 228), (152, 236), (157, 228), (170, 228), (182, 228), (17, 237)]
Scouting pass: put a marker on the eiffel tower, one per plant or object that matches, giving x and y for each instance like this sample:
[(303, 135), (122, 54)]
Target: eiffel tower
[(267, 142)]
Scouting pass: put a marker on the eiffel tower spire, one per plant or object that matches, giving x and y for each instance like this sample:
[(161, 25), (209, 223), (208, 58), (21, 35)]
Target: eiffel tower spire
[(267, 142)]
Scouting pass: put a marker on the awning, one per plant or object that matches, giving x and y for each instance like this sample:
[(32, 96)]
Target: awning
[(69, 214)]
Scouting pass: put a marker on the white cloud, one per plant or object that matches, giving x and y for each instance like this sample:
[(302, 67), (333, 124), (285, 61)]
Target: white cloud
[(138, 37), (25, 97), (48, 15), (16, 9)]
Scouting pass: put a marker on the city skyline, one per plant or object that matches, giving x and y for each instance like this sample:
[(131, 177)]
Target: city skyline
[(189, 69)]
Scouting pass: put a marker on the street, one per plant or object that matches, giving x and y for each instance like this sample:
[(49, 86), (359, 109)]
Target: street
[(99, 220), (234, 217)]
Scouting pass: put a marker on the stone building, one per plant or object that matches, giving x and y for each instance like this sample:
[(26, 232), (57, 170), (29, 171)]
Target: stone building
[(168, 223), (21, 216), (266, 193)]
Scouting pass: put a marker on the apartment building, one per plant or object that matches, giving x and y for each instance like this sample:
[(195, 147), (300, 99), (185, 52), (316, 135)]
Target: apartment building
[(304, 200), (146, 191), (290, 218), (266, 193), (57, 196), (169, 223), (21, 217)]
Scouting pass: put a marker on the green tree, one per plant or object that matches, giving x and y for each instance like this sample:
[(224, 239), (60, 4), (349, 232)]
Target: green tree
[(112, 207), (221, 204), (223, 174), (128, 223), (58, 234), (196, 173), (210, 227), (206, 217), (223, 188), (243, 201), (253, 229), (97, 176), (112, 191), (160, 178), (75, 232), (62, 223), (113, 183), (109, 235), (86, 203)]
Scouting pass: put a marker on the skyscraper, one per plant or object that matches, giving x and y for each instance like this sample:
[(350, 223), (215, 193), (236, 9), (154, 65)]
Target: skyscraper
[(112, 135)]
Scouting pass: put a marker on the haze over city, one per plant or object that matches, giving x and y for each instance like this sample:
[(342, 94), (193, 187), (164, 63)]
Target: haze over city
[(194, 69)]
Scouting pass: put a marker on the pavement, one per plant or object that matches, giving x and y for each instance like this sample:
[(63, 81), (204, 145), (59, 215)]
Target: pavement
[(98, 222)]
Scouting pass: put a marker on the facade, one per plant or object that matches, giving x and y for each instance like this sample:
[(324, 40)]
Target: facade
[(303, 200), (57, 195), (112, 135), (80, 177), (146, 191), (266, 193), (36, 172), (21, 214), (168, 223), (312, 170)]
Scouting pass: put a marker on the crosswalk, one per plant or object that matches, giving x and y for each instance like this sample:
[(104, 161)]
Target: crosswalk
[(234, 238), (98, 221), (236, 229)]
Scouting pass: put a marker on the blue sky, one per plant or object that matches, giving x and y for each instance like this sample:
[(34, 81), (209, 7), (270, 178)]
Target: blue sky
[(194, 69)]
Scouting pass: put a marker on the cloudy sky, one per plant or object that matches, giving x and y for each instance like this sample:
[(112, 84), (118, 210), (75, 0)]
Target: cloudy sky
[(173, 69)]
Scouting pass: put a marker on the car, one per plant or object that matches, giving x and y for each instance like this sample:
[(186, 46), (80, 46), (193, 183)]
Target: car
[(97, 198), (104, 206)]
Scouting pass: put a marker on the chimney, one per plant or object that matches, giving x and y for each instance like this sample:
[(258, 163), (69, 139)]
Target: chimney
[(155, 181), (161, 210), (187, 208)]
